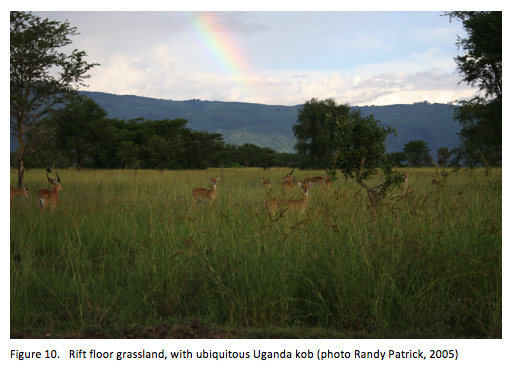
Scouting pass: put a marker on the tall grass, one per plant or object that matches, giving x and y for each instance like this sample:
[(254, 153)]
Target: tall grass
[(124, 248)]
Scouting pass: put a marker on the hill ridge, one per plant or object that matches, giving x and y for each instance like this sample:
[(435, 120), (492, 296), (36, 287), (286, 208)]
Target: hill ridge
[(271, 125)]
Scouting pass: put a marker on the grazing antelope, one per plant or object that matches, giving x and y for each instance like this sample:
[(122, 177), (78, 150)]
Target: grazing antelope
[(405, 187), (46, 197), (205, 195), (23, 191), (314, 180), (266, 183), (292, 204)]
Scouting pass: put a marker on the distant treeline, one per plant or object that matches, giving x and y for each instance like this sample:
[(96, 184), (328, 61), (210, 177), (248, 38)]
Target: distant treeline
[(83, 137), (271, 125)]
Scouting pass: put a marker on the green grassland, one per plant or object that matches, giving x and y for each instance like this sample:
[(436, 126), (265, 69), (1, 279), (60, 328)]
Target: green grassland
[(125, 249)]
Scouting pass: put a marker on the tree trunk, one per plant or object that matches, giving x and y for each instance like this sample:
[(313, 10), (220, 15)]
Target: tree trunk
[(374, 199), (20, 173)]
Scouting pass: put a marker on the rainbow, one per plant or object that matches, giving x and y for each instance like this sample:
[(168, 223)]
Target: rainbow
[(224, 51)]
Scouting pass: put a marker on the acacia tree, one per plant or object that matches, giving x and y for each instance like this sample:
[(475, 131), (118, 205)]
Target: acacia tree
[(418, 153), (361, 151), (481, 65), (315, 130), (443, 154), (41, 78)]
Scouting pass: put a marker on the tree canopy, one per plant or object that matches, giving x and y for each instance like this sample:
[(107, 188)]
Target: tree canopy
[(315, 131), (41, 77), (86, 138), (481, 65), (443, 155), (361, 151), (77, 127), (417, 153)]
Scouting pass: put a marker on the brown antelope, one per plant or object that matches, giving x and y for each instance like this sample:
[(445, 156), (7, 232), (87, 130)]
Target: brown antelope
[(47, 197), (292, 204), (328, 183), (405, 187), (314, 180), (266, 183), (288, 181), (205, 195), (23, 191)]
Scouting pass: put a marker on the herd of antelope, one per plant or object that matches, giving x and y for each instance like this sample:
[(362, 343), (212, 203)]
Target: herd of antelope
[(45, 197), (50, 197), (287, 185)]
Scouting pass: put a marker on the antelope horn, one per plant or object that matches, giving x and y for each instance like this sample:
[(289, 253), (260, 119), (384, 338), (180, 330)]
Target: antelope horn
[(291, 172), (58, 177)]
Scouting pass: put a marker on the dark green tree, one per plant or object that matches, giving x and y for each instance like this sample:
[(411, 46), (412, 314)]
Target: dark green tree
[(314, 133), (443, 155), (202, 149), (111, 132), (78, 129), (361, 151), (128, 153), (41, 77), (228, 156), (163, 146), (417, 153), (481, 133), (162, 153), (397, 158), (267, 158), (249, 153), (481, 65)]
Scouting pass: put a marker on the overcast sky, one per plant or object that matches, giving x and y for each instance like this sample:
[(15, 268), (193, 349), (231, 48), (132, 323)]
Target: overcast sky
[(283, 58)]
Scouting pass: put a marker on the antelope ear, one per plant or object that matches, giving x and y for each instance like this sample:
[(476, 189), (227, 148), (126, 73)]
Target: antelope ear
[(299, 184)]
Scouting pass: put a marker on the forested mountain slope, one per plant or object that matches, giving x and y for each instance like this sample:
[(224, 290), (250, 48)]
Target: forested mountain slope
[(271, 125)]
